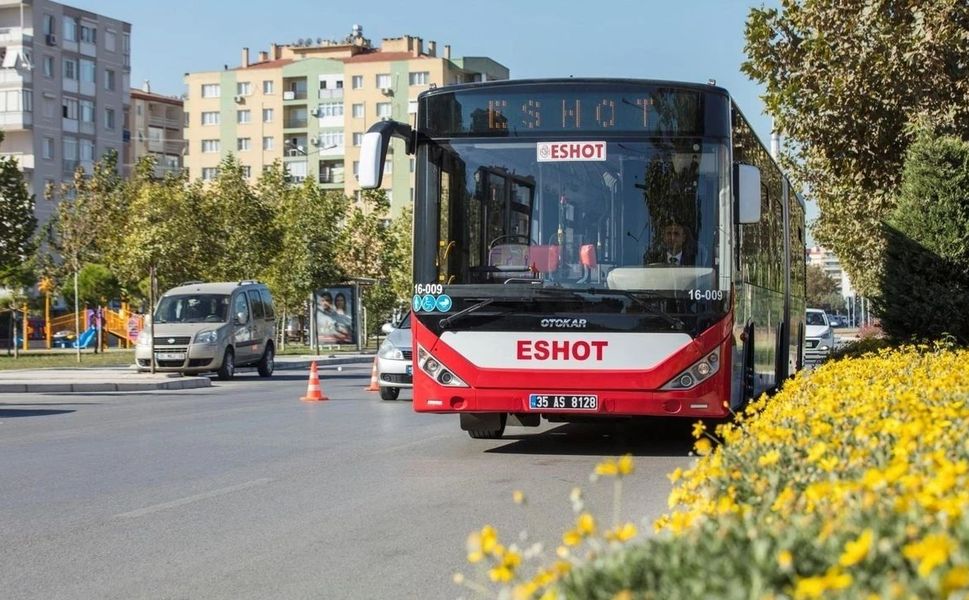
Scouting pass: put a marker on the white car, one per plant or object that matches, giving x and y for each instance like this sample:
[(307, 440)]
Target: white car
[(819, 336), (394, 360)]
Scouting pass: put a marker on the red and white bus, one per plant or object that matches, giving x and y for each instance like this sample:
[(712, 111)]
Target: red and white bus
[(595, 248)]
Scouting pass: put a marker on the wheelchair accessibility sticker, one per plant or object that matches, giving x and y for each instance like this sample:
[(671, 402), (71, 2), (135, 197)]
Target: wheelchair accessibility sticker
[(430, 303)]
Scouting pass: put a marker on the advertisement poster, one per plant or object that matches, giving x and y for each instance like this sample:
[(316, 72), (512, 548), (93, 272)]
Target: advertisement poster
[(335, 308)]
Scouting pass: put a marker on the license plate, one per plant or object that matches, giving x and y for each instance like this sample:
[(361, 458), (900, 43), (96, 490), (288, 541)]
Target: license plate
[(549, 402), (169, 356), (410, 369)]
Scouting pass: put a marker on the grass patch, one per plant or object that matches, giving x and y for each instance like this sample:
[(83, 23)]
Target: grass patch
[(62, 360)]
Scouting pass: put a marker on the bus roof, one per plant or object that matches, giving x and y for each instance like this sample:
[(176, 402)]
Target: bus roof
[(513, 83)]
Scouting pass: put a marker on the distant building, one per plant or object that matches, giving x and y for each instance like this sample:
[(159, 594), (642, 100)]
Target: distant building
[(153, 126), (308, 104), (64, 79), (826, 259)]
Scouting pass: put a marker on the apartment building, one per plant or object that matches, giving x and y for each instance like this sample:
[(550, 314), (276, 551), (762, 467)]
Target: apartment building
[(153, 127), (64, 79), (826, 259), (309, 103)]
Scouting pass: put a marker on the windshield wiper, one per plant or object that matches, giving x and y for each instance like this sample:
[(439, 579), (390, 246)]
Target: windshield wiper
[(446, 321), (672, 321)]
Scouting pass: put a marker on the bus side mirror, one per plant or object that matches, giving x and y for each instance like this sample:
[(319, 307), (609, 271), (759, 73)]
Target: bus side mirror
[(747, 184), (373, 152)]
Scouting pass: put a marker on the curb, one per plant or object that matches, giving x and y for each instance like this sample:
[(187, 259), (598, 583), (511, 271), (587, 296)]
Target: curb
[(183, 383), (323, 362)]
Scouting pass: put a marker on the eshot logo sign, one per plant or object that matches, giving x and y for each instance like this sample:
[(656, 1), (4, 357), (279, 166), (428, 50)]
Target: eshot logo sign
[(430, 303), (571, 151)]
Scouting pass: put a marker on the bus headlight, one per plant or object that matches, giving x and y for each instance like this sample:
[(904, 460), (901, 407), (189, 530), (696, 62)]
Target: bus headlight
[(436, 370), (698, 371)]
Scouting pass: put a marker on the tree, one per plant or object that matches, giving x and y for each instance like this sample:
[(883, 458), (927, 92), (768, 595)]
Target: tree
[(169, 227), (925, 284), (245, 234), (822, 290), (365, 247), (844, 82), (309, 221), (17, 220)]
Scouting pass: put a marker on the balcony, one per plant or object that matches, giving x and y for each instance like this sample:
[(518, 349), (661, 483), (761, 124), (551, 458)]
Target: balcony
[(294, 123), (334, 94), (24, 161), (15, 120), (15, 77), (15, 35)]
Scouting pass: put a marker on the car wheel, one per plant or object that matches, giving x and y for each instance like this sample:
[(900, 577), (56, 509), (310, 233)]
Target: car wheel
[(228, 368), (268, 362), (389, 393)]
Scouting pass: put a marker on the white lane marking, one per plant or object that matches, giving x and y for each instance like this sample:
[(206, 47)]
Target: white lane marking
[(189, 499)]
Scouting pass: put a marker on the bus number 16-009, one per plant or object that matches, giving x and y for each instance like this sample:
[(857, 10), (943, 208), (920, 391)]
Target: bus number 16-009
[(706, 294)]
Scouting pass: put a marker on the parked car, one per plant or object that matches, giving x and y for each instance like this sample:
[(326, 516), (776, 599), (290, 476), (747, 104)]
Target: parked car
[(201, 327), (395, 368), (819, 336)]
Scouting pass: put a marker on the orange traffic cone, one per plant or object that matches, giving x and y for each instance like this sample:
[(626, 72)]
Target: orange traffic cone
[(373, 387), (313, 391)]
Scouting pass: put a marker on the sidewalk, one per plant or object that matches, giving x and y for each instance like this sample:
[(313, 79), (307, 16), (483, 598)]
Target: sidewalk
[(128, 379)]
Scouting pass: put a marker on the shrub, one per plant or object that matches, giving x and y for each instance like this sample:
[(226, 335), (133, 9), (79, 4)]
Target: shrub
[(852, 482), (925, 279)]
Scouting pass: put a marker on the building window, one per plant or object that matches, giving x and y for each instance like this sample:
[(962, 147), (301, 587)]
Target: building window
[(331, 139), (267, 143), (109, 118), (87, 111), (209, 173), (268, 87), (412, 165), (110, 41), (211, 90), (244, 88), (267, 115), (330, 109), (87, 150), (70, 29), (70, 68), (109, 79), (48, 148), (48, 24), (209, 146), (246, 171), (419, 78), (357, 138), (383, 110), (69, 108), (210, 118), (89, 34), (244, 116), (48, 66), (356, 168), (383, 81), (356, 82), (356, 111), (87, 70), (388, 167), (243, 144)]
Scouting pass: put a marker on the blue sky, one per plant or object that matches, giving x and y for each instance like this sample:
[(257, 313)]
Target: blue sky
[(686, 40)]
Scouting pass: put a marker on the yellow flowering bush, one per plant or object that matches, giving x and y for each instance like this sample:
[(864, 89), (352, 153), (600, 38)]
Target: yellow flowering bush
[(502, 572), (852, 482)]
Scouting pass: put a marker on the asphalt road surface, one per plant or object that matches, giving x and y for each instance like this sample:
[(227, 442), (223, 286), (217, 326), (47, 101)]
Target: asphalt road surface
[(243, 491)]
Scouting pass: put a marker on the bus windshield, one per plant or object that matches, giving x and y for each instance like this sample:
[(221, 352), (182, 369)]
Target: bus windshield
[(631, 214)]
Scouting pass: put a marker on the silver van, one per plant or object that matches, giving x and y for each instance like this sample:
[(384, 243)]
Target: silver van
[(202, 327)]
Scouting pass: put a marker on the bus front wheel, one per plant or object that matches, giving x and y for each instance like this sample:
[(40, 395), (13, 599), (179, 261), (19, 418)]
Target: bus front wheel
[(489, 426)]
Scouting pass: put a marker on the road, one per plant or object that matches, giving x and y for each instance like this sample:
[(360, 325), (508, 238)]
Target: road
[(243, 491)]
